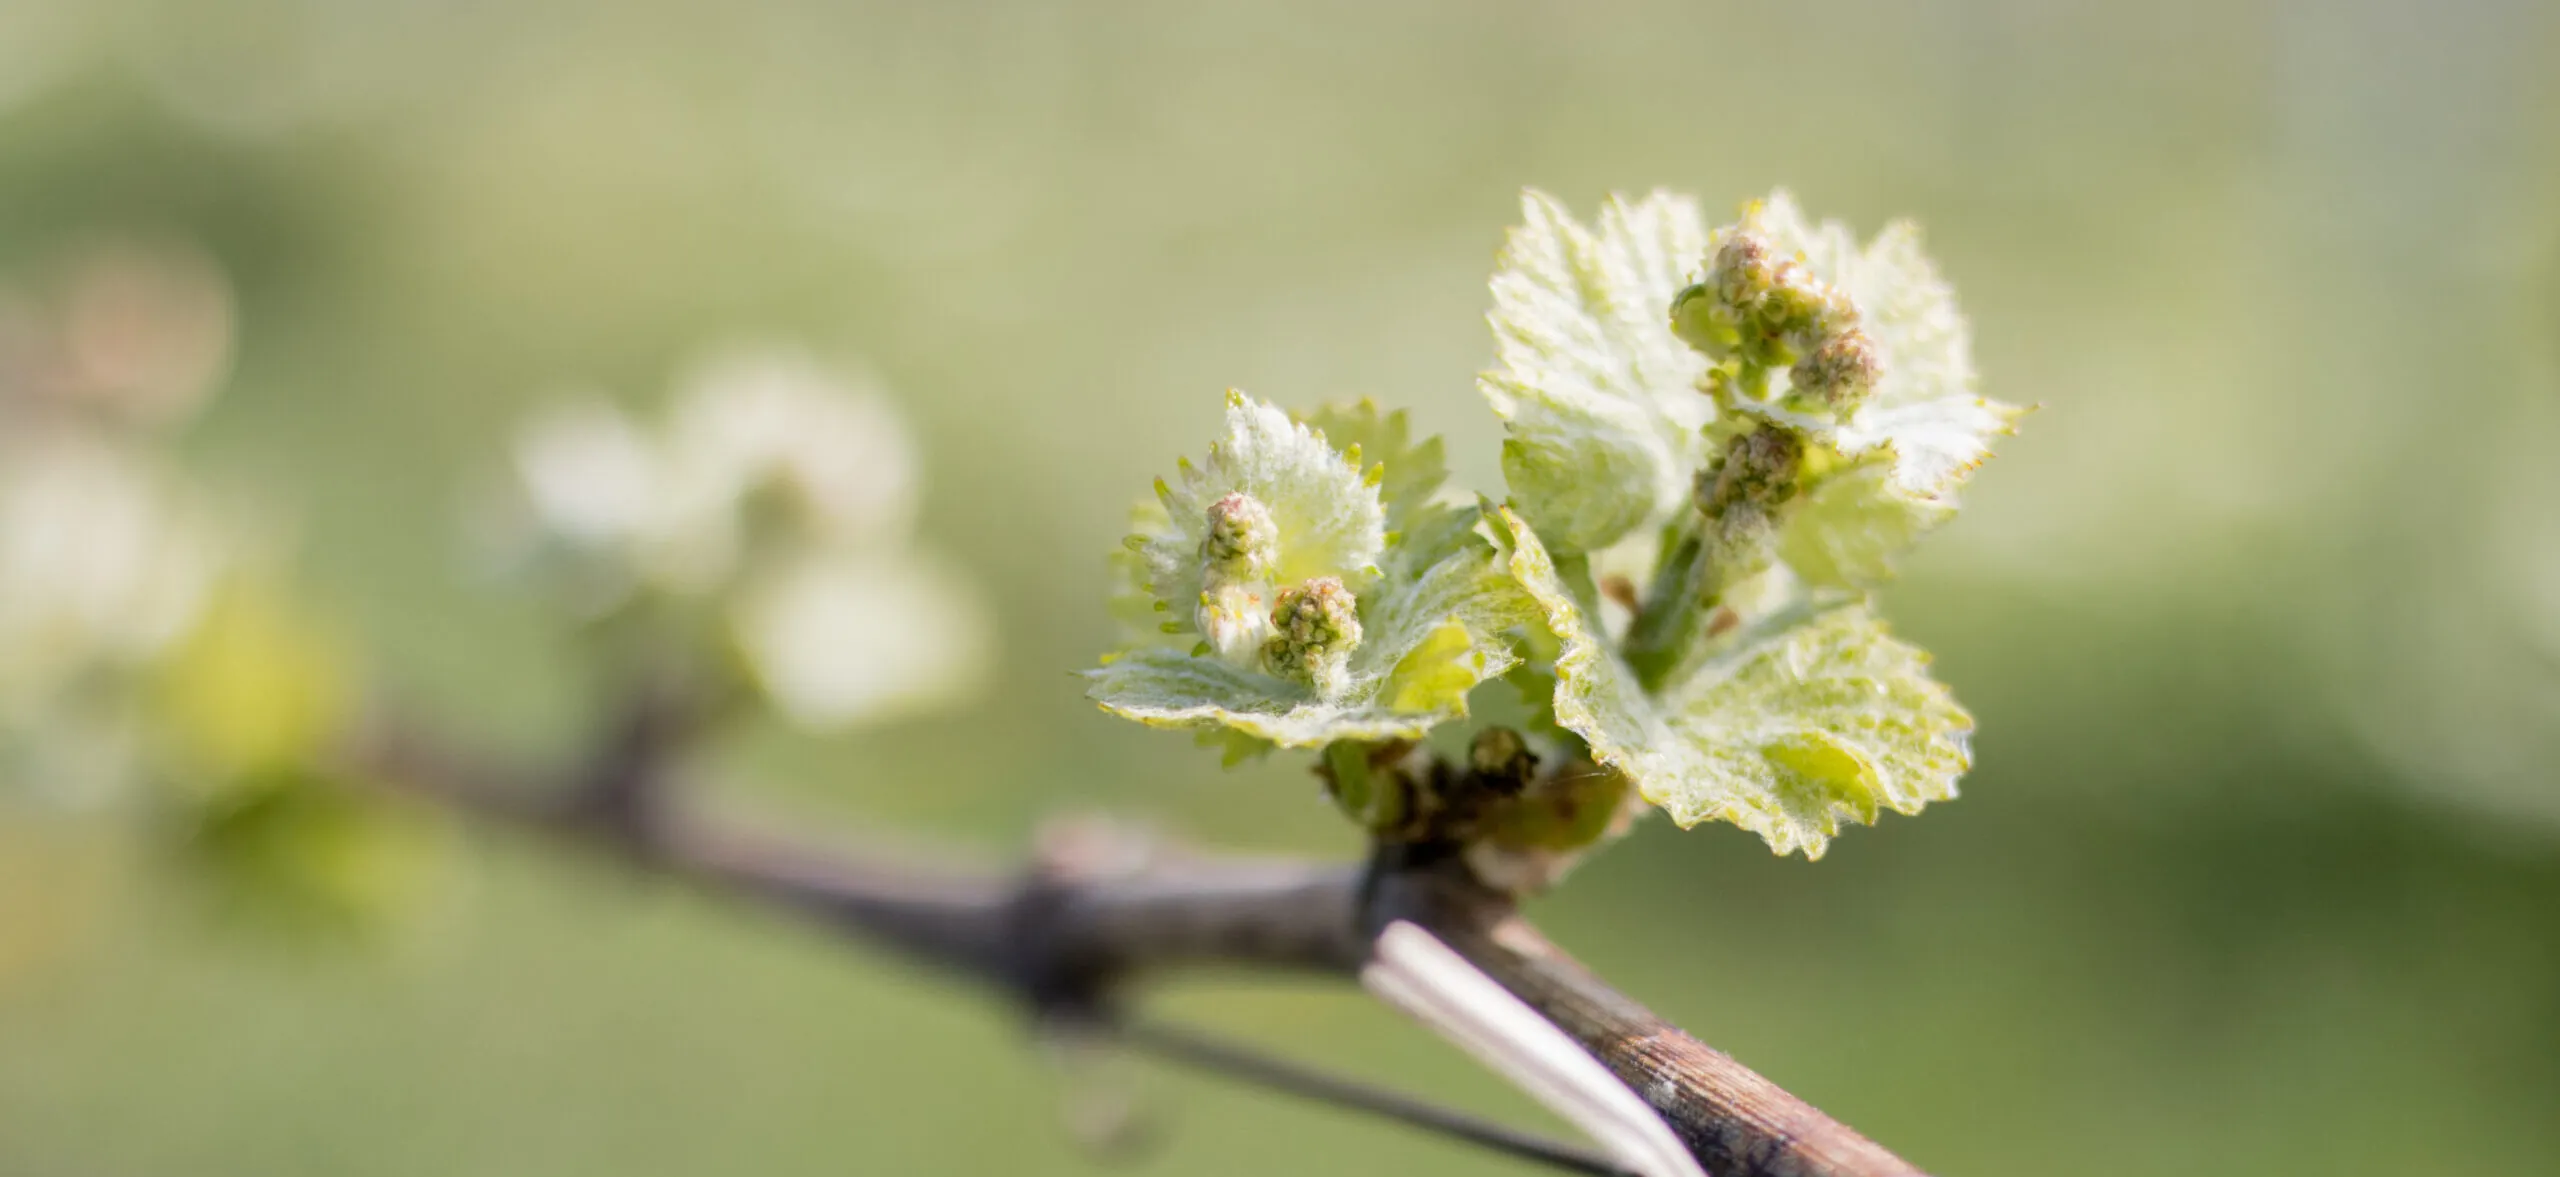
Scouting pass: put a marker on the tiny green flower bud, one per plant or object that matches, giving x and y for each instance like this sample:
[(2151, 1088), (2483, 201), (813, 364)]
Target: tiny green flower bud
[(1840, 371), (1743, 271), (1795, 300), (1314, 628), (1838, 313), (1716, 314), (1242, 542), (1758, 468), (1703, 320)]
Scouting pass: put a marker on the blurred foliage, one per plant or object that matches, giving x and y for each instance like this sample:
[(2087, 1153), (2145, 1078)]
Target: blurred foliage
[(2261, 623), (254, 690), (306, 859)]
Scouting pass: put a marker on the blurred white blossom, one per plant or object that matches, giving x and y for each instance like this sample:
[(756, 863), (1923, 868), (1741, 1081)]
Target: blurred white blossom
[(761, 432), (785, 494), (839, 637), (102, 561), (107, 555), (590, 476), (105, 563)]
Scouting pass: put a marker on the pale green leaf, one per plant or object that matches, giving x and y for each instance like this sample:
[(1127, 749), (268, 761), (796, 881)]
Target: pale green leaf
[(1409, 472), (1437, 673), (1599, 398), (1435, 634), (1134, 603), (1170, 688), (1597, 695), (1828, 723), (1848, 530), (1787, 734), (1935, 444), (1234, 747)]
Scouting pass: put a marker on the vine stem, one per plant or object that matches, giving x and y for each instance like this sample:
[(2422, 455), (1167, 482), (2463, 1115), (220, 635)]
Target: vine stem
[(1097, 908)]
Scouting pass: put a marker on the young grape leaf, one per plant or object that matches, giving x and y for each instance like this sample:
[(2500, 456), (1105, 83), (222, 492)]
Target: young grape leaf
[(1847, 530), (1410, 471), (1786, 735), (1598, 397), (1828, 722)]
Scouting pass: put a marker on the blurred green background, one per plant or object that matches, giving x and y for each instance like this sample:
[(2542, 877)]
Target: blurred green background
[(2260, 869)]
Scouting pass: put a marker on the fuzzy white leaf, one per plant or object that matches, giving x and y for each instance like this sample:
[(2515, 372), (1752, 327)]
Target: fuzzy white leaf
[(1598, 396), (1330, 520), (1409, 471), (1848, 530)]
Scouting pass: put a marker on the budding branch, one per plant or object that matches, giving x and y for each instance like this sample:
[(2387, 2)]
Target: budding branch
[(1094, 910)]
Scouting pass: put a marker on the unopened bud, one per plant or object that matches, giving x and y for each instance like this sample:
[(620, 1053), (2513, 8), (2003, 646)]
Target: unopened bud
[(1716, 313), (1838, 313), (1795, 302), (1758, 468), (1242, 543), (1314, 628), (1234, 623), (1704, 322), (1840, 371), (1742, 273)]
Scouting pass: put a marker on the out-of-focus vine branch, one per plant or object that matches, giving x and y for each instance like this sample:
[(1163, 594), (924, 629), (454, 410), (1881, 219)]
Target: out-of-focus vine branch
[(1096, 908)]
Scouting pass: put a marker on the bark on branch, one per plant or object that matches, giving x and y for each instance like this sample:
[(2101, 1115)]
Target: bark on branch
[(1091, 912)]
